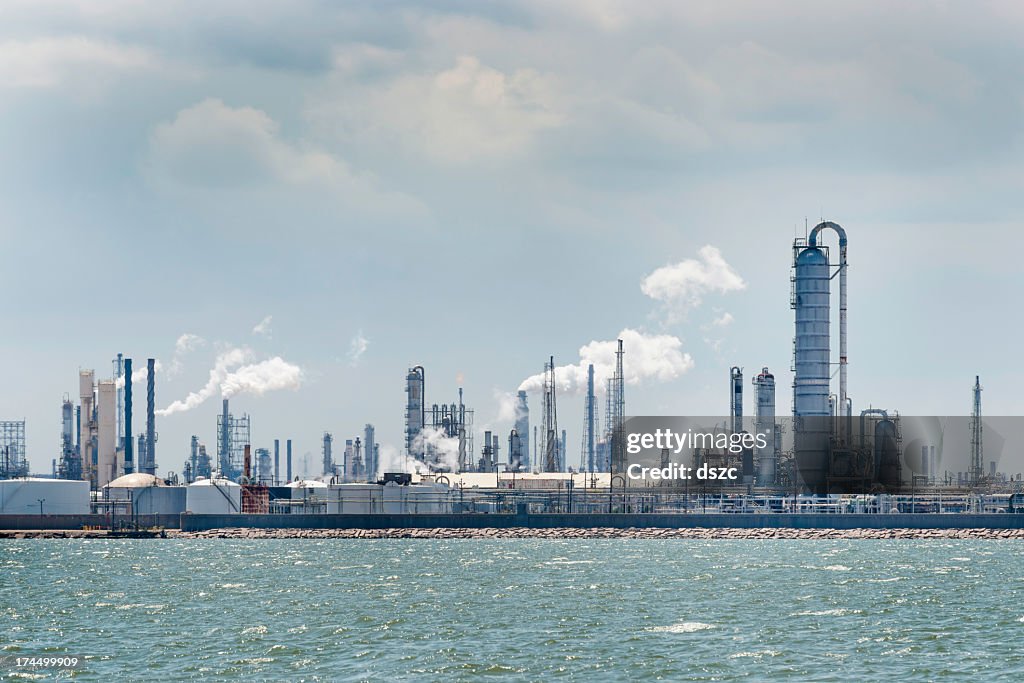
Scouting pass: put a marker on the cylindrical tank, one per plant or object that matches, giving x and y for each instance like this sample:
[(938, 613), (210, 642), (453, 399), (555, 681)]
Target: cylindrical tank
[(811, 362), (310, 496), (414, 410), (32, 496), (736, 398), (68, 424), (887, 457), (767, 458), (810, 388), (218, 496)]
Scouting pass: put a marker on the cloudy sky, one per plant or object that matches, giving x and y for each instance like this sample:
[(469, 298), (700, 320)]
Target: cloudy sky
[(292, 203)]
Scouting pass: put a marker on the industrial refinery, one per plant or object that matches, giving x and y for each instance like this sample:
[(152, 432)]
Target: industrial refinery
[(829, 452)]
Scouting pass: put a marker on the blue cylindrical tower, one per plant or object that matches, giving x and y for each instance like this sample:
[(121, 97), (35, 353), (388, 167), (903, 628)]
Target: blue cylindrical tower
[(811, 361)]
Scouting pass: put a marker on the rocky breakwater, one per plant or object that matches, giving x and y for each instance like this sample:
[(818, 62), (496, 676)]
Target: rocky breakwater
[(565, 533)]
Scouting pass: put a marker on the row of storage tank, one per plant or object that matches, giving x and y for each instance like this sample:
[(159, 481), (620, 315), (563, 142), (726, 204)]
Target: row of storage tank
[(145, 494)]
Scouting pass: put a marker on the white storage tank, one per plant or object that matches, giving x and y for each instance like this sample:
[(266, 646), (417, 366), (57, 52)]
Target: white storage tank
[(356, 499), (32, 496), (308, 496), (215, 496), (416, 499), (149, 494)]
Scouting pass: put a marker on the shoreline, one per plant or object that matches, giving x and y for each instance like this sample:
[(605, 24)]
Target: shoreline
[(692, 533)]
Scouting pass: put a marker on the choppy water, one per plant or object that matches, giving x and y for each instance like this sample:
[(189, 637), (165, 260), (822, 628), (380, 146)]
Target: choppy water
[(518, 609)]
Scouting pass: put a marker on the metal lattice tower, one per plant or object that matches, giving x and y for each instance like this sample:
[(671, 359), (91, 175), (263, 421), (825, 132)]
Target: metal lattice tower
[(616, 414), (549, 426), (233, 435), (589, 424), (977, 449)]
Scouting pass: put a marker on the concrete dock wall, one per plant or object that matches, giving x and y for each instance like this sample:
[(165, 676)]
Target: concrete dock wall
[(79, 521)]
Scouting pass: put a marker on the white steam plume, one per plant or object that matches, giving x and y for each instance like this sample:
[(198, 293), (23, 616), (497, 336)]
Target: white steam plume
[(231, 375), (259, 378), (392, 460), (444, 448), (657, 357)]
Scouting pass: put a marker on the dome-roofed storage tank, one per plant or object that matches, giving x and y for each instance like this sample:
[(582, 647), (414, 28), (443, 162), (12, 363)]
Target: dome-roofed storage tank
[(148, 493)]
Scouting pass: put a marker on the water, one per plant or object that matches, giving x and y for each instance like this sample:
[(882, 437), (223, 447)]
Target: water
[(529, 610)]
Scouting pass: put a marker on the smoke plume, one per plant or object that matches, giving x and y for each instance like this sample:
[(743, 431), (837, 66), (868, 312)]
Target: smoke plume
[(234, 374), (657, 357), (444, 448)]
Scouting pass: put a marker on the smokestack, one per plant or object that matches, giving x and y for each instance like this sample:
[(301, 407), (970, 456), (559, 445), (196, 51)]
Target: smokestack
[(288, 455), (277, 461), (247, 466), (129, 444), (225, 444), (150, 467)]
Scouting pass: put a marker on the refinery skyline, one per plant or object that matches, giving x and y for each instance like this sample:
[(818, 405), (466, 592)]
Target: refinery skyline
[(266, 212)]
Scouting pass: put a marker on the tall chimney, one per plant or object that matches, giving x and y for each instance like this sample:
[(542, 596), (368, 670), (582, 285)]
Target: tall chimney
[(288, 449), (225, 436), (277, 462), (129, 445), (247, 467), (150, 466)]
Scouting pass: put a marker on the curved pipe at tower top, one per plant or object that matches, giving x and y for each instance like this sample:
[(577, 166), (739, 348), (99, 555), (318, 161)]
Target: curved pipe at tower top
[(813, 239)]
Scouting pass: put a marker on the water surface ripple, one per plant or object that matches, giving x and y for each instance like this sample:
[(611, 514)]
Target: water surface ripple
[(526, 609)]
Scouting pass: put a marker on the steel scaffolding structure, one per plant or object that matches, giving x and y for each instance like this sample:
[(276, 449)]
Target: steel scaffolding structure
[(13, 462)]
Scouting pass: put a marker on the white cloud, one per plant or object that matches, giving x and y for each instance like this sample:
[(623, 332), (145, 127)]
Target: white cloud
[(462, 114), (262, 328), (647, 357), (723, 320), (682, 286), (213, 147), (357, 347), (47, 62)]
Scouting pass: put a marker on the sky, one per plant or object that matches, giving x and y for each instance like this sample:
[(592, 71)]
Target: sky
[(292, 203)]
